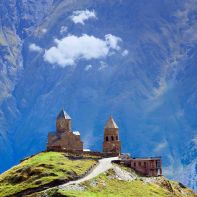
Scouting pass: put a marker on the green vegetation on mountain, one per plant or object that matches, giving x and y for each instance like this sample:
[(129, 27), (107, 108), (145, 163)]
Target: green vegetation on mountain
[(41, 170), (39, 176), (108, 184)]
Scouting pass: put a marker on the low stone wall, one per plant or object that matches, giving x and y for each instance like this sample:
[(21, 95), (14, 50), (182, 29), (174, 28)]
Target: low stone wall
[(77, 154), (101, 154), (59, 149), (81, 153)]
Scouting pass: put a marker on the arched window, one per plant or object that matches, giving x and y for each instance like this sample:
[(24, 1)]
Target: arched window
[(117, 138), (112, 138), (107, 138)]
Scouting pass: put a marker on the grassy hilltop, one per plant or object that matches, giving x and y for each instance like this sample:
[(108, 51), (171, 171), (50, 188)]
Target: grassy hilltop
[(41, 173), (40, 170)]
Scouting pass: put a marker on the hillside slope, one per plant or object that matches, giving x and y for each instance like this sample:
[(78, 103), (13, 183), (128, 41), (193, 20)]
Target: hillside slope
[(44, 174), (41, 171)]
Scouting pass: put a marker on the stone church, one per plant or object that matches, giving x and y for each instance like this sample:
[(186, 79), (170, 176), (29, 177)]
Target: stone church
[(64, 138), (111, 142)]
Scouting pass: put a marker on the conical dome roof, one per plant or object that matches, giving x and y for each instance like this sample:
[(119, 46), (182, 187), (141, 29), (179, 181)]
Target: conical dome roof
[(64, 115), (111, 124)]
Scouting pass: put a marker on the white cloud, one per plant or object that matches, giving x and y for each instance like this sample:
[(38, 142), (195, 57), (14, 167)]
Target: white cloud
[(44, 30), (103, 66), (63, 29), (160, 147), (125, 53), (112, 41), (34, 47), (72, 48), (88, 67), (80, 16), (161, 89)]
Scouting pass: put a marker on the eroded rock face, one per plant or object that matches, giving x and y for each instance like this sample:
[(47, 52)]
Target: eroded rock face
[(188, 174), (18, 21)]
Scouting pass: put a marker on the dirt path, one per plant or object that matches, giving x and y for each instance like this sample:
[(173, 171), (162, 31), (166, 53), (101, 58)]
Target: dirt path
[(104, 165)]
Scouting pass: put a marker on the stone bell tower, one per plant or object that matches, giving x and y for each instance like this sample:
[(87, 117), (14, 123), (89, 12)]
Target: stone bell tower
[(111, 142), (63, 122)]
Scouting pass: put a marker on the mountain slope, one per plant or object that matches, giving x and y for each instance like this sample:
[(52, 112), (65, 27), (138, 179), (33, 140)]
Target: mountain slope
[(189, 160), (110, 184), (49, 169), (41, 171)]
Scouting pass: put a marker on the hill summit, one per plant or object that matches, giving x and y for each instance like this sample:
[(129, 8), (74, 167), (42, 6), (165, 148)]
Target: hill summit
[(62, 174)]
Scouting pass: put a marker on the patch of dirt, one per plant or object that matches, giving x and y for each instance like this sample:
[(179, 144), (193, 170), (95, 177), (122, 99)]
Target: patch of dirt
[(17, 179), (75, 187), (49, 166)]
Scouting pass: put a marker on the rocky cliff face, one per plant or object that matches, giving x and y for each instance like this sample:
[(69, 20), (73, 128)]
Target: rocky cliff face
[(145, 77), (188, 174), (18, 21)]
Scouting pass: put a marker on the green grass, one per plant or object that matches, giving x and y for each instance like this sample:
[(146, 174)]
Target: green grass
[(40, 170), (111, 187), (104, 185), (47, 167)]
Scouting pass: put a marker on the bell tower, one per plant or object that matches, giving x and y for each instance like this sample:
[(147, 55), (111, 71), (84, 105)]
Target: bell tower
[(63, 122), (111, 142)]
